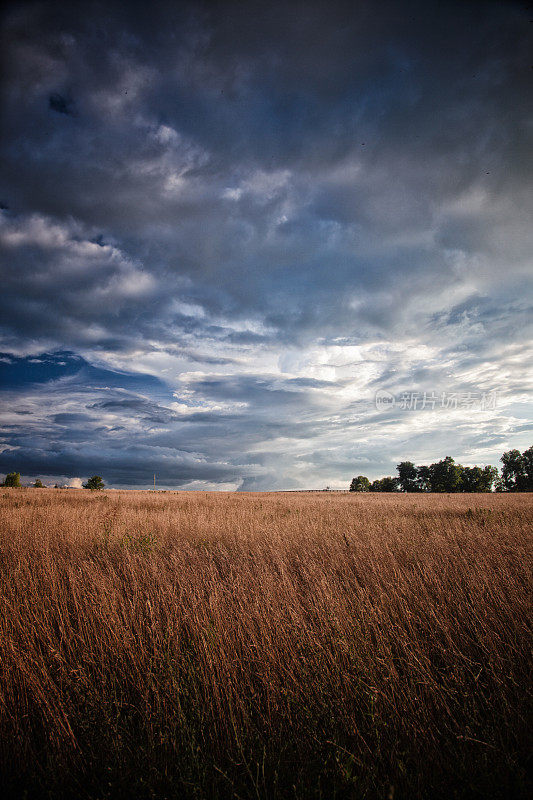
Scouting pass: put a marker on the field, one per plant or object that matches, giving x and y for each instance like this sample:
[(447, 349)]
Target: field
[(314, 645)]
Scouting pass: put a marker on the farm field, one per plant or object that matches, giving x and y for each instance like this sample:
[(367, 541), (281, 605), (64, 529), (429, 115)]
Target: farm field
[(284, 645)]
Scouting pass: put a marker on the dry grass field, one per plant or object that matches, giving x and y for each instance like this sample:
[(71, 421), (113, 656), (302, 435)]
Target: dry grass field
[(192, 645)]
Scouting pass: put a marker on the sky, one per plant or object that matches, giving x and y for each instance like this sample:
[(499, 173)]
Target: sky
[(261, 246)]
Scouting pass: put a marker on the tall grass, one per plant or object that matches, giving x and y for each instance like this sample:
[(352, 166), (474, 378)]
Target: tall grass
[(188, 645)]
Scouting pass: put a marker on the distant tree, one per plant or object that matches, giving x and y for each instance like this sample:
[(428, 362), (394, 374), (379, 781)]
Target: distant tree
[(445, 475), (12, 479), (527, 459), (387, 484), (513, 475), (517, 471), (490, 476), (477, 479), (424, 478), (408, 476), (94, 484), (360, 484), (38, 484)]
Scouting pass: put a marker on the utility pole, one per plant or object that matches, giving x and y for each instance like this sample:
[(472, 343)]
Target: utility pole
[(154, 481)]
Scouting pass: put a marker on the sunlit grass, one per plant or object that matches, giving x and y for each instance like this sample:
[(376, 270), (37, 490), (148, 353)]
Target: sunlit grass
[(264, 645)]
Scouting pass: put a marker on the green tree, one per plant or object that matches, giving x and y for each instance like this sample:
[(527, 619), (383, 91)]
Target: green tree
[(424, 479), (12, 479), (387, 484), (490, 476), (527, 460), (360, 484), (477, 479), (513, 471), (445, 475), (94, 484), (517, 471), (38, 484), (407, 476)]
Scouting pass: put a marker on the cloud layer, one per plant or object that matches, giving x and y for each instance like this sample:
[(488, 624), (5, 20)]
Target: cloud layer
[(234, 224)]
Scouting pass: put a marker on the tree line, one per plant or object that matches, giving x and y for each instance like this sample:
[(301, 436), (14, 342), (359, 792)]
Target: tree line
[(446, 476), (12, 480)]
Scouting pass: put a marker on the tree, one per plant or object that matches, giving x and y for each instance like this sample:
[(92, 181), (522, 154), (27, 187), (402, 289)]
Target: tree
[(513, 475), (38, 484), (517, 471), (407, 476), (94, 484), (12, 479), (527, 459), (490, 476), (445, 475), (424, 479), (360, 484), (477, 479), (387, 484)]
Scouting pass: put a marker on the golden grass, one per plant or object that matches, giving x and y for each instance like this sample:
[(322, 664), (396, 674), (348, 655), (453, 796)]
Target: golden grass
[(196, 645)]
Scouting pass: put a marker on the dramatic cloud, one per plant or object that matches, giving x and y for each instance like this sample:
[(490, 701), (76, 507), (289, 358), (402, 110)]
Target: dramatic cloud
[(225, 227)]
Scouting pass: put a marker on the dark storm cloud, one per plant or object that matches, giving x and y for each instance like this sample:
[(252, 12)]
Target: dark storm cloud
[(234, 222), (68, 368), (63, 105), (145, 409), (88, 438)]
